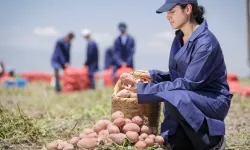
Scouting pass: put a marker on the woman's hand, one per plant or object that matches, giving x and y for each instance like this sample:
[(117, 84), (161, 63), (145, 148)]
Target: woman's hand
[(132, 88), (144, 76), (128, 81)]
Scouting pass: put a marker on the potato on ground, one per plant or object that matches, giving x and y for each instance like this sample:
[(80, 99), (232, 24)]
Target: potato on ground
[(88, 131), (103, 133), (88, 143), (131, 127), (102, 138), (118, 138), (132, 136), (99, 126), (53, 145), (127, 120), (61, 145), (119, 122), (137, 120), (117, 114), (152, 136), (113, 129), (159, 140), (146, 129), (141, 145), (82, 135), (105, 122), (149, 141), (143, 136), (93, 135), (74, 140), (69, 147), (90, 135)]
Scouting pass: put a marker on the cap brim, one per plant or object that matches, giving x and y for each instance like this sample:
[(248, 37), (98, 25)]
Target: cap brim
[(167, 6)]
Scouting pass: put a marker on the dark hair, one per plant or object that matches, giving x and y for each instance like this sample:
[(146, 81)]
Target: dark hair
[(197, 12), (71, 35)]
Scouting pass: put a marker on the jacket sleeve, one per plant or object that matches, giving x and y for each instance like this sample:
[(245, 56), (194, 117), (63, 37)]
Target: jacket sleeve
[(116, 56), (68, 61), (129, 60), (201, 66), (158, 76), (63, 54)]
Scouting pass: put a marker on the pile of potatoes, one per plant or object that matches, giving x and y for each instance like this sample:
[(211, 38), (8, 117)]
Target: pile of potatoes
[(117, 131)]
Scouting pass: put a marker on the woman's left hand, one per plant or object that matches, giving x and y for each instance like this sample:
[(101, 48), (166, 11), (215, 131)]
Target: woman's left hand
[(129, 82), (132, 88)]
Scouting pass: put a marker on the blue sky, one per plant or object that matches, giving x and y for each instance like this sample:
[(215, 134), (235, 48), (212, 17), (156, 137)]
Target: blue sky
[(29, 29)]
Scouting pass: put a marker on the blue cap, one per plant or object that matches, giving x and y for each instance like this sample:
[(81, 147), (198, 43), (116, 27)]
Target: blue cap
[(169, 4), (122, 25)]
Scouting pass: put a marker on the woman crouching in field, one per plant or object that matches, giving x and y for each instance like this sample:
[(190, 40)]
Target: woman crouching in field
[(195, 91)]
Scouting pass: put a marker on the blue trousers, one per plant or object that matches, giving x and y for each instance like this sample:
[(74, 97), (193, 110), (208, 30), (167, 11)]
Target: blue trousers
[(57, 80), (185, 138), (92, 82)]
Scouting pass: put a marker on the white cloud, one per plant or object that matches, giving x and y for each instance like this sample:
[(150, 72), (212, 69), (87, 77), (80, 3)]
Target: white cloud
[(45, 31), (28, 42), (161, 41), (158, 44), (166, 36), (103, 38)]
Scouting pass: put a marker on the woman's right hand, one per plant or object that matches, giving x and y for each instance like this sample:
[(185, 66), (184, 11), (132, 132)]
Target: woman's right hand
[(144, 76)]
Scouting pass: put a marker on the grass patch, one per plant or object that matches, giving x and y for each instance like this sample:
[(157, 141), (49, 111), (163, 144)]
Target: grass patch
[(35, 115), (18, 128)]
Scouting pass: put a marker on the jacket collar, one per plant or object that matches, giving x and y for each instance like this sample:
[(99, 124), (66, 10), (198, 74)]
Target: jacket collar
[(202, 27)]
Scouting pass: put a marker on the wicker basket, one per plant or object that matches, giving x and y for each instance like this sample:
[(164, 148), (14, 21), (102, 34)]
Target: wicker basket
[(130, 107)]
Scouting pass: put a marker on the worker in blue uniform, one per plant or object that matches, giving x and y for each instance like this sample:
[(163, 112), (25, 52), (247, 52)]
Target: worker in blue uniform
[(195, 91), (124, 49), (61, 57), (108, 60), (2, 69), (91, 57)]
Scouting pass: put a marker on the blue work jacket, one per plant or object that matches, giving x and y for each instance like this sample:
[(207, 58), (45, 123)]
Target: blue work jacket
[(92, 57), (196, 84), (61, 54), (124, 53)]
